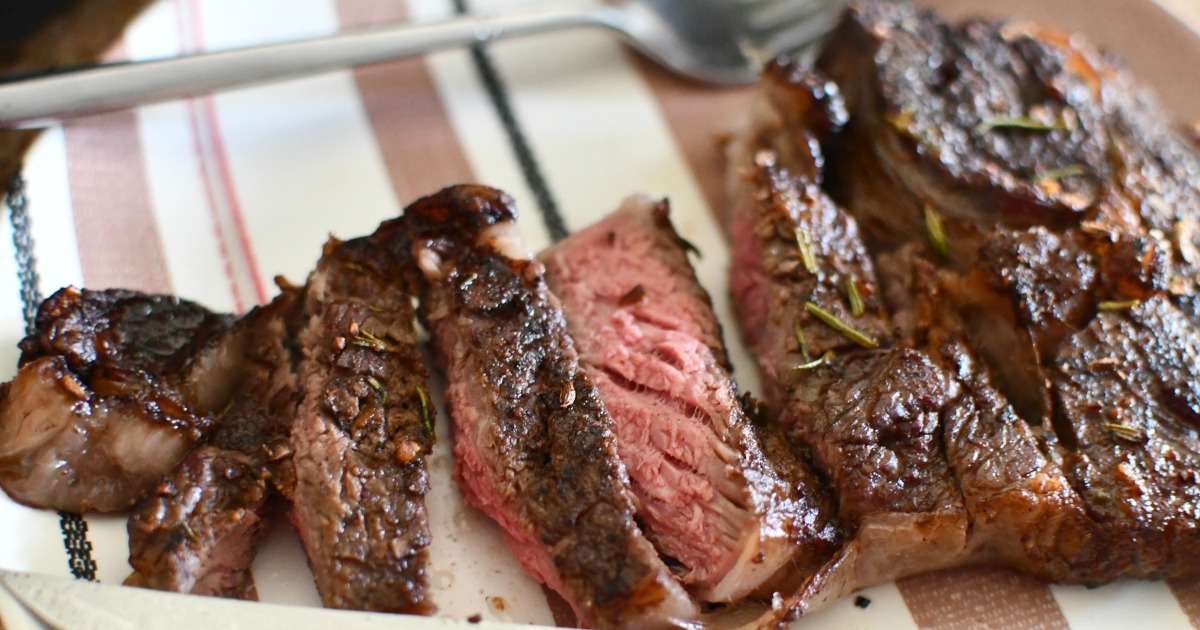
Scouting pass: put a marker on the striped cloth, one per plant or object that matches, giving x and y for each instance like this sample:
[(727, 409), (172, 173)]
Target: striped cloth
[(212, 198)]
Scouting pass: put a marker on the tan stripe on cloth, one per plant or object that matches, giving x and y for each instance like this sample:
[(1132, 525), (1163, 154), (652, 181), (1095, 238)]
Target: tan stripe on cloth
[(115, 227), (699, 117), (980, 597), (1187, 592), (420, 151)]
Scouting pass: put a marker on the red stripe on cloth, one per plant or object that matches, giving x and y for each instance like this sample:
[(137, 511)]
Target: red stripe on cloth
[(420, 150), (239, 262)]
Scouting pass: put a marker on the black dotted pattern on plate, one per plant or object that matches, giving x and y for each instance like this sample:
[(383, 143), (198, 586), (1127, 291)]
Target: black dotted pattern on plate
[(74, 527)]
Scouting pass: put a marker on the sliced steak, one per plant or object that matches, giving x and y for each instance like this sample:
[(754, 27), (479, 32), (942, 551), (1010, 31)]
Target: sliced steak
[(362, 433), (535, 448), (793, 247), (196, 531), (114, 388), (1127, 390), (646, 333), (1029, 289)]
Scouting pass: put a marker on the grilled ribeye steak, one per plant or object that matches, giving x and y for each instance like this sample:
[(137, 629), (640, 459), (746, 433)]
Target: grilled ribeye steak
[(196, 531), (708, 497), (362, 433), (1010, 184), (114, 388), (534, 448), (931, 465), (793, 247)]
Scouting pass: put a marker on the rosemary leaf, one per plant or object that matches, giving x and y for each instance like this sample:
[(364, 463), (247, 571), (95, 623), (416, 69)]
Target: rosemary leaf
[(818, 362), (378, 387), (804, 244), (799, 331), (855, 299), (1019, 122), (427, 413), (936, 231), (1124, 431), (829, 319), (365, 339), (1117, 306), (1055, 174)]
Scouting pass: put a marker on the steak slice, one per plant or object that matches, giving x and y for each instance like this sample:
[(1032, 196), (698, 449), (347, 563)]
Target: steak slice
[(707, 496), (1128, 400), (114, 388), (362, 433), (792, 246), (811, 309), (196, 532), (534, 445)]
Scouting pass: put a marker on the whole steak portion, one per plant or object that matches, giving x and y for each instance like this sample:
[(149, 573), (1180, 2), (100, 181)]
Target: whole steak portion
[(114, 388), (534, 446), (362, 433), (739, 517), (897, 379)]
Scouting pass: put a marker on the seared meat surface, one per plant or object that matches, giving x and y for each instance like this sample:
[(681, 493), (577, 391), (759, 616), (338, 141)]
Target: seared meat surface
[(114, 388), (362, 434), (977, 161), (1055, 182), (707, 495), (792, 246), (196, 531), (1128, 395), (534, 445)]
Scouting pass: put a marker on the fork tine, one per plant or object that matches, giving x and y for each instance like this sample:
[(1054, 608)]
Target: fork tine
[(771, 13), (795, 31)]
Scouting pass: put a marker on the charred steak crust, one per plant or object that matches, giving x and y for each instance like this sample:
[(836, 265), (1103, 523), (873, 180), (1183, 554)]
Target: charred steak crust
[(362, 434), (197, 530), (114, 388), (534, 445), (1127, 392), (792, 246)]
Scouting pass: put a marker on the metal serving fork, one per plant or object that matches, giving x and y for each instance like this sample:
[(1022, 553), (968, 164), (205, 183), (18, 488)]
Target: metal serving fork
[(715, 41)]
